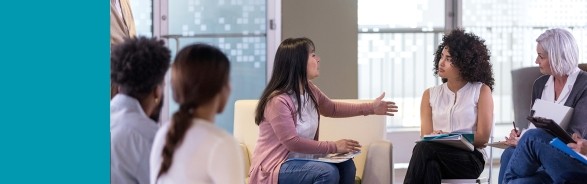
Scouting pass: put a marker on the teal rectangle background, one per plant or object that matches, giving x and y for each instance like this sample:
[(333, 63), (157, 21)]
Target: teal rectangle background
[(54, 73)]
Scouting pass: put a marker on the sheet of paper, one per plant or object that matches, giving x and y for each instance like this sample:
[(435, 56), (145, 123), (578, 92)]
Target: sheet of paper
[(499, 144), (557, 112)]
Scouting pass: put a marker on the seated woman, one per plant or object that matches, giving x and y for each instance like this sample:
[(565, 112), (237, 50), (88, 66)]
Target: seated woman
[(138, 67), (557, 166), (190, 149), (288, 118), (563, 83), (462, 103)]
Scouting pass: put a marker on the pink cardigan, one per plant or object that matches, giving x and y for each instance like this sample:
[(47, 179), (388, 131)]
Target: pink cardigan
[(277, 133)]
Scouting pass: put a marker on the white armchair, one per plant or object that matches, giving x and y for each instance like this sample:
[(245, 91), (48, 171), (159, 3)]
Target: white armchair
[(374, 165)]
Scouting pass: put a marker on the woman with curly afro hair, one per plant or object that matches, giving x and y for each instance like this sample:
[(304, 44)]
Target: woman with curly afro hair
[(463, 103)]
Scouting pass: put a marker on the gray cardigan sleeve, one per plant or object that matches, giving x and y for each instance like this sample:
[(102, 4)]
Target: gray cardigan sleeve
[(578, 100)]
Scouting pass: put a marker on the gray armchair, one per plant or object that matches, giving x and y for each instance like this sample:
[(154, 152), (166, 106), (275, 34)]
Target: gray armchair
[(522, 81)]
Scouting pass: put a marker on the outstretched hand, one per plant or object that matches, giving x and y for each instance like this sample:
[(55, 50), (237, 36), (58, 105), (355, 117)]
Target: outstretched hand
[(381, 107)]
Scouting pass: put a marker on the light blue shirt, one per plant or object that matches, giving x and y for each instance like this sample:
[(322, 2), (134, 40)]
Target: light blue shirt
[(131, 137)]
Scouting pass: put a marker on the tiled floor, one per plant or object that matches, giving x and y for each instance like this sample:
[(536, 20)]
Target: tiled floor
[(401, 173)]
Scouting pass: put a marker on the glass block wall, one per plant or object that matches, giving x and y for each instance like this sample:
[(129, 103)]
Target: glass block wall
[(238, 28), (142, 11)]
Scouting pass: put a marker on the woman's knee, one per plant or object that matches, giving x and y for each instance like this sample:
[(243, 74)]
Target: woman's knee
[(424, 147), (327, 173), (536, 134)]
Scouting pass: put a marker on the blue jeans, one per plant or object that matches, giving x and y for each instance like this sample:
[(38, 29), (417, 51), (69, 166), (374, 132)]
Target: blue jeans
[(533, 152), (505, 159), (301, 171)]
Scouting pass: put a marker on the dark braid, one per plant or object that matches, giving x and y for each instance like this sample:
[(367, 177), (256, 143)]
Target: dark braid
[(199, 73), (179, 125)]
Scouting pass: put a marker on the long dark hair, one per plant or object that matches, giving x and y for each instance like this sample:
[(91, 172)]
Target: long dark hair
[(289, 72), (199, 73), (469, 54)]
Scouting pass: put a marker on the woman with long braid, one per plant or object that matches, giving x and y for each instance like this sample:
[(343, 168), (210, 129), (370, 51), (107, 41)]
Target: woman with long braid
[(190, 149)]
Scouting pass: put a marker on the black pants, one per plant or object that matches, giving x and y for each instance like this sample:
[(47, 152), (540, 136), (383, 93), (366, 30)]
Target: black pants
[(432, 162)]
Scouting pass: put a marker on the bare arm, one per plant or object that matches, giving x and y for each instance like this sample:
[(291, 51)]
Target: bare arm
[(425, 114), (484, 117)]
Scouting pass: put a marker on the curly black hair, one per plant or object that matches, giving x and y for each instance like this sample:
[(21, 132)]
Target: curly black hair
[(469, 54), (138, 65)]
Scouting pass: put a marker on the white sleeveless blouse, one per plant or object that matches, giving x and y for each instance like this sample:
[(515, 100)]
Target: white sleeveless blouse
[(455, 112)]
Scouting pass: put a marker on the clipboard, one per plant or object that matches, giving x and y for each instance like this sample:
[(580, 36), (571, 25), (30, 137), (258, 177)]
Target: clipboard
[(551, 127)]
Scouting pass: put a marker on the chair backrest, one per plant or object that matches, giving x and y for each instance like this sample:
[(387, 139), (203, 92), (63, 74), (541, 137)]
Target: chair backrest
[(522, 81), (245, 130), (583, 66), (365, 129)]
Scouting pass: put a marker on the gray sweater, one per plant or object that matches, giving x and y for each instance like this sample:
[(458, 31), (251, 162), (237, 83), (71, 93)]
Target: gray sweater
[(577, 100)]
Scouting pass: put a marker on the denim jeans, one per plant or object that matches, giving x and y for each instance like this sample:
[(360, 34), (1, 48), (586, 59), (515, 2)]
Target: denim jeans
[(505, 159), (301, 171), (431, 162), (536, 161)]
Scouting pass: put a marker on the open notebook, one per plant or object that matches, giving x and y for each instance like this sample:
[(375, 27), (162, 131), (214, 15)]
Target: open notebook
[(329, 158), (459, 140)]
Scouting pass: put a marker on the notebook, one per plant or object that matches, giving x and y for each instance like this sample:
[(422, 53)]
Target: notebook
[(558, 144), (328, 158), (459, 140)]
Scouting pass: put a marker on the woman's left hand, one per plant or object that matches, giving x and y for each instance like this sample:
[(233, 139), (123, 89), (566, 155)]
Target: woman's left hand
[(381, 107), (580, 146)]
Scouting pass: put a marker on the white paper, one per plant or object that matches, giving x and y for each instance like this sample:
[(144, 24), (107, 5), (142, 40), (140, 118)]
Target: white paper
[(557, 112)]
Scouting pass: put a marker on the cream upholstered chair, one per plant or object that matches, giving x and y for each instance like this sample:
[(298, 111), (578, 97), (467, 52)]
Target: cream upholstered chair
[(374, 164)]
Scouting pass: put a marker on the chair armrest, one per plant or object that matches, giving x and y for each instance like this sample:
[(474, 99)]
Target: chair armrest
[(246, 158), (378, 164)]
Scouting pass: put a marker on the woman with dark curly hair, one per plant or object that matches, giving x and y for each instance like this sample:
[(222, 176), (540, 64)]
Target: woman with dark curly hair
[(463, 103), (138, 66)]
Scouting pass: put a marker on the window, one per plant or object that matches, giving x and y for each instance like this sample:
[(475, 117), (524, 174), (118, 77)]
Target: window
[(397, 40), (510, 29), (396, 52)]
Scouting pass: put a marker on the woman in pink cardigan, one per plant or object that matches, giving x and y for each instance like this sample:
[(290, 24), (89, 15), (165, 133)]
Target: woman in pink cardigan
[(288, 119)]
